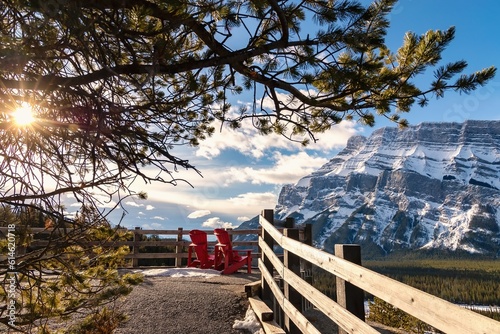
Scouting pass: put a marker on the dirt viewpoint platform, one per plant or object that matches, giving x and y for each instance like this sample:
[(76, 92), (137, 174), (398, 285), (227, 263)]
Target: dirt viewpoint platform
[(186, 305)]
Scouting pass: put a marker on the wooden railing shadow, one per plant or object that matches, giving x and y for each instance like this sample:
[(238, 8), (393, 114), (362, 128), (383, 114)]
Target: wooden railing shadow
[(352, 280)]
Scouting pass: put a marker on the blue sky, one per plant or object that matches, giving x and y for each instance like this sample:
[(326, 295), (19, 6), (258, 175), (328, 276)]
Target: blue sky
[(243, 172)]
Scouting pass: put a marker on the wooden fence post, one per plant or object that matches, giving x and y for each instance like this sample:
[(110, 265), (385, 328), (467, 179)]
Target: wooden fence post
[(135, 248), (266, 290), (350, 296), (178, 248), (289, 222), (305, 266), (292, 262)]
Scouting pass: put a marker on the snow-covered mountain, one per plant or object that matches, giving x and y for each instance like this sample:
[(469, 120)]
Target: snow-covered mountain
[(435, 185)]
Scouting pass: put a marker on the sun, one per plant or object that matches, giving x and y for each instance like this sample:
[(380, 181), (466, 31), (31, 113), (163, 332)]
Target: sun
[(23, 115)]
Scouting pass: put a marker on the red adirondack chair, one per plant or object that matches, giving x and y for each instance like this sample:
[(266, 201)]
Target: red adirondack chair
[(199, 244), (231, 259)]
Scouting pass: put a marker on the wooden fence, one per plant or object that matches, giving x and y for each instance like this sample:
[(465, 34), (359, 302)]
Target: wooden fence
[(179, 240), (175, 239), (351, 280)]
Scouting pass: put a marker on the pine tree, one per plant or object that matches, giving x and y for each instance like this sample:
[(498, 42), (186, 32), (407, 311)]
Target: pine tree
[(386, 314), (116, 84), (75, 271)]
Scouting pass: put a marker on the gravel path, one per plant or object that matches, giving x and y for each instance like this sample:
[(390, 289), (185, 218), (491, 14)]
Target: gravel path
[(192, 305), (186, 305)]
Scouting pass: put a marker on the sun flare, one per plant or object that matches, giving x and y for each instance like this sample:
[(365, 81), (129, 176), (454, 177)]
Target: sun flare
[(24, 115)]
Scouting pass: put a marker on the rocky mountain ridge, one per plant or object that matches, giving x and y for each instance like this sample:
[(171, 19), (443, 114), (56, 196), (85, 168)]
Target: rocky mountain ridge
[(430, 186)]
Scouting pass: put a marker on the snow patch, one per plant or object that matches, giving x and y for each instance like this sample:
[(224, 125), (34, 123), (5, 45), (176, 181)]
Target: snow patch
[(250, 323), (179, 272)]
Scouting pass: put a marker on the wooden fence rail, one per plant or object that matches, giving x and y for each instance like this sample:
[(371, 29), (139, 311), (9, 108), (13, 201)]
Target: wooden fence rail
[(436, 312)]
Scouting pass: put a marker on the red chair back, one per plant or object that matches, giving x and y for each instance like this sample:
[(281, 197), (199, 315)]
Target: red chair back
[(222, 237), (198, 237), (200, 245), (224, 241), (232, 259)]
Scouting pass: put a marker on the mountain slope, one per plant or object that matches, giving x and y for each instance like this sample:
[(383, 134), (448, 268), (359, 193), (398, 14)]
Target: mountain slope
[(435, 185)]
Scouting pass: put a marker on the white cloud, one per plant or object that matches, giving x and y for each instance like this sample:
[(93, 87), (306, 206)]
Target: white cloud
[(71, 215), (134, 204), (286, 169), (228, 138), (216, 222), (247, 204), (152, 226), (108, 204), (219, 190), (262, 200), (283, 169), (248, 141), (243, 218), (157, 218), (336, 137), (149, 207), (199, 214), (104, 200)]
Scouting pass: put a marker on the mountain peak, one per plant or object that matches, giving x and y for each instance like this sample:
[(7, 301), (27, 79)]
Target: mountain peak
[(433, 185)]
